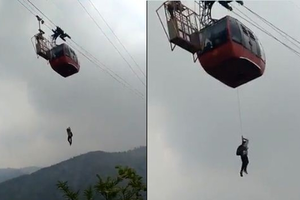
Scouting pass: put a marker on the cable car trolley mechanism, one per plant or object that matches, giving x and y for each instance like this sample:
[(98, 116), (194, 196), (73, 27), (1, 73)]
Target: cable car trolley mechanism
[(226, 49), (62, 58)]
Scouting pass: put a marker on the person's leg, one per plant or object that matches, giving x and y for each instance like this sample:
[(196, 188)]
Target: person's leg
[(70, 140), (243, 166), (246, 164)]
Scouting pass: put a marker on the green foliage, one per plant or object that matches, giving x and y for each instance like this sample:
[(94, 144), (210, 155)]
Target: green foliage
[(88, 193), (128, 185), (68, 194)]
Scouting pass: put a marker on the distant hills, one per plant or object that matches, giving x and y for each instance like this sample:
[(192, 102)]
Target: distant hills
[(80, 172), (10, 173)]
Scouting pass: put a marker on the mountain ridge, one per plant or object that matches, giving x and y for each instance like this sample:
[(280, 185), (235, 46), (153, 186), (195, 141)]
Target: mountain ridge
[(10, 173), (80, 172)]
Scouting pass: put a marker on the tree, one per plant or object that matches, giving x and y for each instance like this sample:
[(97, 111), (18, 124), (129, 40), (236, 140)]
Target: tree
[(128, 185)]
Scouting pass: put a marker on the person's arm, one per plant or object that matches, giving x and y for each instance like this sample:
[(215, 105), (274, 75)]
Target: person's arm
[(247, 141)]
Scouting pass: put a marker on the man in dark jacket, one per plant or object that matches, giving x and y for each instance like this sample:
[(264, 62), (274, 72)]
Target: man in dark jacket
[(242, 151)]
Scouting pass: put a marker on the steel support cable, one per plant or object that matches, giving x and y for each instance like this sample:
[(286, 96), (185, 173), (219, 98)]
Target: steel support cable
[(269, 34), (111, 42), (116, 37), (106, 69), (267, 31), (278, 30)]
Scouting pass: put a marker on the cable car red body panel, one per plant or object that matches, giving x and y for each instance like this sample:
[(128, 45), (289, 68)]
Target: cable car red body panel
[(64, 61), (65, 66), (231, 62)]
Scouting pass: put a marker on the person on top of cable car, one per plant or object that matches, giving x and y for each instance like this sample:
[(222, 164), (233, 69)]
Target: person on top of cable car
[(59, 33), (209, 4), (174, 6), (70, 135), (242, 151)]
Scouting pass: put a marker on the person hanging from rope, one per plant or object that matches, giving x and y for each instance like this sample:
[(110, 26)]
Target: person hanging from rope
[(70, 135), (174, 6), (242, 151)]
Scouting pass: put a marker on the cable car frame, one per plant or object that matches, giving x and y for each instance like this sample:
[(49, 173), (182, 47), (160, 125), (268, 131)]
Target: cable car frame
[(187, 21), (66, 62), (232, 59)]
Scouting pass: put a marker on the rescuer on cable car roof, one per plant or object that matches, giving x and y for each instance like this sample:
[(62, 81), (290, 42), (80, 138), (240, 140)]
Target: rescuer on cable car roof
[(59, 33), (209, 4)]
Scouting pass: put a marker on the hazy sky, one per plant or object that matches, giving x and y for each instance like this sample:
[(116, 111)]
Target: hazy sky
[(194, 127), (37, 104)]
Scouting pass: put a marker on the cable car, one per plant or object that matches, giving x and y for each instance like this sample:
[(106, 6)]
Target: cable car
[(230, 52), (63, 60)]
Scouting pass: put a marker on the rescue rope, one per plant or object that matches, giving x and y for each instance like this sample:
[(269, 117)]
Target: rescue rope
[(240, 115)]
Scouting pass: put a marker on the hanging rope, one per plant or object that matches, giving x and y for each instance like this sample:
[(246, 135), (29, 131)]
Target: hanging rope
[(240, 115)]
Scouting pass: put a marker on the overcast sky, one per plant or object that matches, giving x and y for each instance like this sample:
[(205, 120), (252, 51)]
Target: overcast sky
[(194, 127), (37, 104)]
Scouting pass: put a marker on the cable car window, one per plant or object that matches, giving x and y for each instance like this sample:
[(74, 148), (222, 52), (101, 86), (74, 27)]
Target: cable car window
[(258, 49), (57, 51), (254, 47), (67, 51), (73, 55), (214, 36), (236, 34), (219, 33), (258, 46), (251, 35), (245, 37), (205, 43), (244, 30), (262, 53)]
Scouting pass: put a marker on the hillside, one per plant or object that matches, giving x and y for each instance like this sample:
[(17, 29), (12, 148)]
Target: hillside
[(80, 172), (10, 173)]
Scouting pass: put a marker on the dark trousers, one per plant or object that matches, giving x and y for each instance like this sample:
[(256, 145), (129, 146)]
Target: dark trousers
[(70, 139), (245, 162)]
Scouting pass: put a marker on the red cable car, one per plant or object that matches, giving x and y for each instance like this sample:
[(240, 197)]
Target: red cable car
[(63, 60), (231, 53)]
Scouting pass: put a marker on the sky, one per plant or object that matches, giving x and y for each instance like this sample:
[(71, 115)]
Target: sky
[(193, 119), (37, 104)]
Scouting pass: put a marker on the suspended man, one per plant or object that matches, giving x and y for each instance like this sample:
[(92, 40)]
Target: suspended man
[(70, 135), (242, 151)]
